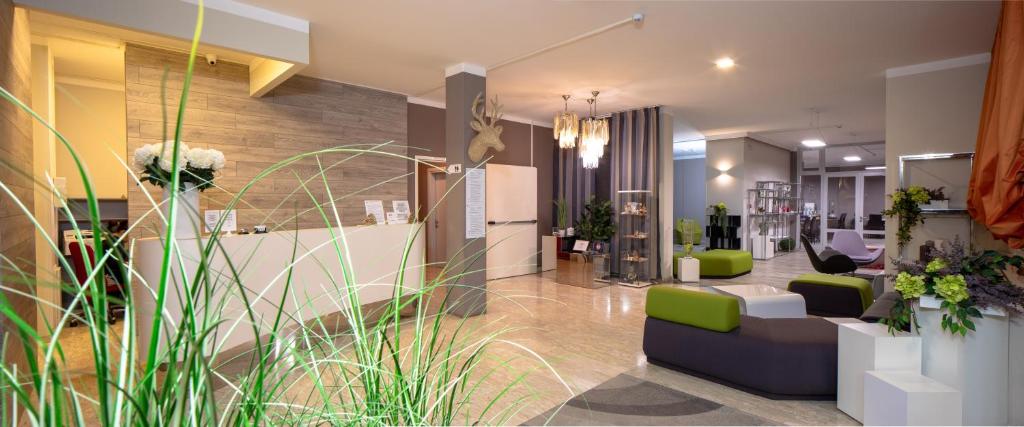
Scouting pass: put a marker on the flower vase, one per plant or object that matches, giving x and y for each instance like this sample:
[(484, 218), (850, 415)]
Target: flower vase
[(188, 224), (976, 365)]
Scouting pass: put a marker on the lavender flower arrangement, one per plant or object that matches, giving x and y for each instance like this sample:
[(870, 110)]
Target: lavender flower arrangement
[(964, 282)]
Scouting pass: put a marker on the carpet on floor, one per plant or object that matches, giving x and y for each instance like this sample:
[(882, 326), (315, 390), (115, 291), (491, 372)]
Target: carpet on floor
[(627, 400)]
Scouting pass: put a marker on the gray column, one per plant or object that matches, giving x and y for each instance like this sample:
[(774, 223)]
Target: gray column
[(467, 295)]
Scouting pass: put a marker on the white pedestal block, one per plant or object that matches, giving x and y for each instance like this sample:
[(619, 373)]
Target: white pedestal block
[(977, 364), (548, 253), (905, 398), (689, 270), (869, 347)]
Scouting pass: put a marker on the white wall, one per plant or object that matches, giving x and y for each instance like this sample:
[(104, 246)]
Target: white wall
[(736, 164), (936, 112), (690, 199), (93, 120)]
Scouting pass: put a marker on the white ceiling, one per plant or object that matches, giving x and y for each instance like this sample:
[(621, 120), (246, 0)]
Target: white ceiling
[(791, 56)]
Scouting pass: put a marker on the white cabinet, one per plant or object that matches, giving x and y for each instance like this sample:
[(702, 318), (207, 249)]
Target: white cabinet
[(869, 347)]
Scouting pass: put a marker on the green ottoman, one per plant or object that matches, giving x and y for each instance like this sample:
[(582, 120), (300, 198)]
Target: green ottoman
[(724, 263), (830, 295)]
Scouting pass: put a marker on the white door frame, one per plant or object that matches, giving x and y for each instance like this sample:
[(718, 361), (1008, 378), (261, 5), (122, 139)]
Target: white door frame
[(858, 201), (416, 179)]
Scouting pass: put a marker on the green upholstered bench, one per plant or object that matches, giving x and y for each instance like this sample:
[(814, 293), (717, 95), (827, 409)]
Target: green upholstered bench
[(703, 310), (722, 263), (830, 295)]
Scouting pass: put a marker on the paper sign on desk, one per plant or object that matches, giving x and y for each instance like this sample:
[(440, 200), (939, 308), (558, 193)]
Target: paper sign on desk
[(212, 216), (580, 246), (476, 224), (400, 206), (375, 208), (398, 218)]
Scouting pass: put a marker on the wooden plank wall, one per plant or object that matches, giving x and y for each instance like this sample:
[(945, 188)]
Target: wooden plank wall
[(301, 116), (17, 234)]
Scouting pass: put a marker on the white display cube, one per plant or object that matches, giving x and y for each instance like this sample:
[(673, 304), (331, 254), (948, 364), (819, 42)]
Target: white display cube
[(977, 364), (907, 398), (869, 347), (689, 269)]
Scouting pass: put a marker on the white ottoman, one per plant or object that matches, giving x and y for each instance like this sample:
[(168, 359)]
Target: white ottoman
[(869, 347), (766, 301), (906, 398), (689, 270)]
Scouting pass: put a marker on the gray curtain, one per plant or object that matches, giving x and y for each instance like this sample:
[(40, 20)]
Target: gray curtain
[(635, 166), (575, 183)]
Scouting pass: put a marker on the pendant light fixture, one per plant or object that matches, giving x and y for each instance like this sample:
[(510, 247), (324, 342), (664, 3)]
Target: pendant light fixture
[(567, 126), (593, 136)]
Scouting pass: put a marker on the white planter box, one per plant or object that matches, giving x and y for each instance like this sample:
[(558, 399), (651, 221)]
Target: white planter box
[(763, 247), (906, 398), (977, 364), (869, 347), (936, 204), (689, 270)]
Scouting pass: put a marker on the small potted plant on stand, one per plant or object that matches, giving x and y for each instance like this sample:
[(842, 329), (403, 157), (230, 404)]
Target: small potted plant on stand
[(937, 199), (561, 216)]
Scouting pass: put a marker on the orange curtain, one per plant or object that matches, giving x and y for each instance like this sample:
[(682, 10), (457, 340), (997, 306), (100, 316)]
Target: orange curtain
[(996, 194)]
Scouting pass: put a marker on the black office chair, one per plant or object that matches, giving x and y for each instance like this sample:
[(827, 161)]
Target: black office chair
[(841, 222), (833, 262), (874, 222)]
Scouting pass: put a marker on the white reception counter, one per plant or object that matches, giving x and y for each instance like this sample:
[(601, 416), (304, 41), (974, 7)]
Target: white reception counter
[(262, 261)]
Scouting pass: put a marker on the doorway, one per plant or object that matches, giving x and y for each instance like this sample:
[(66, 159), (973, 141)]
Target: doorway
[(854, 201), (431, 185)]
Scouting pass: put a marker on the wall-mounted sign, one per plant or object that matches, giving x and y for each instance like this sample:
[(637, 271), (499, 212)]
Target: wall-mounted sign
[(476, 193)]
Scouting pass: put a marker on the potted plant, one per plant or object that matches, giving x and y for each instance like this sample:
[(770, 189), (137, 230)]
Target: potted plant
[(906, 204), (196, 170), (937, 199), (561, 216), (595, 224), (719, 214), (960, 302)]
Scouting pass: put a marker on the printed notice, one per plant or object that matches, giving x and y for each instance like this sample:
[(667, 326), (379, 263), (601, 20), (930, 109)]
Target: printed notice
[(213, 216), (475, 203), (400, 206), (375, 208)]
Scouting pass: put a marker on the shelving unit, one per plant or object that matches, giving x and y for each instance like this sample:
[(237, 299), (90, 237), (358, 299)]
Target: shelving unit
[(968, 157), (773, 209), (634, 242), (723, 236)]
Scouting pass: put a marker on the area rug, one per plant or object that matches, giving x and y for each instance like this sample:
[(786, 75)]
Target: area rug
[(627, 400)]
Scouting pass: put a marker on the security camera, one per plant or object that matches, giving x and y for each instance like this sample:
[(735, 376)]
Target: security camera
[(211, 58)]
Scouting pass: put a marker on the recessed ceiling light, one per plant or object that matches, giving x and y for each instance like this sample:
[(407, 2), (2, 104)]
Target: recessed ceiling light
[(725, 63), (812, 143), (851, 158), (874, 168)]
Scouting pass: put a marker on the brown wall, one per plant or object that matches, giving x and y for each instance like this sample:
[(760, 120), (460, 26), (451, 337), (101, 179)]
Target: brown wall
[(426, 138), (17, 234), (300, 116)]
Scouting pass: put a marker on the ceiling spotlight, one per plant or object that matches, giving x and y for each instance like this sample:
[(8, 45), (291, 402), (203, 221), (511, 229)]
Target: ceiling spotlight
[(874, 168), (851, 158), (725, 63), (813, 143)]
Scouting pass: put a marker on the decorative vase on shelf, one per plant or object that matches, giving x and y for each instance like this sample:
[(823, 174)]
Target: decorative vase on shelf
[(936, 205), (977, 364), (187, 224)]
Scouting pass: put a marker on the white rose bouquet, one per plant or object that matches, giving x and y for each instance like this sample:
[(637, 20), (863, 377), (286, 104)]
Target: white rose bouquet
[(196, 165)]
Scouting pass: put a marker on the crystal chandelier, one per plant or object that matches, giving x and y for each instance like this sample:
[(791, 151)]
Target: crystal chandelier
[(593, 136), (567, 126)]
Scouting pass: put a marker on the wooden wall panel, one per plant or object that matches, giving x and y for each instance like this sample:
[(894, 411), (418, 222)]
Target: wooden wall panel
[(302, 115), (17, 234)]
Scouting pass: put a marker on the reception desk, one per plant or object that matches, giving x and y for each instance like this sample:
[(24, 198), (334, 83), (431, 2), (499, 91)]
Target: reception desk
[(262, 261)]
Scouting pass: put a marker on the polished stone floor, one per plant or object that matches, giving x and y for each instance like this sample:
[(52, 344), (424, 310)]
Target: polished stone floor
[(562, 340)]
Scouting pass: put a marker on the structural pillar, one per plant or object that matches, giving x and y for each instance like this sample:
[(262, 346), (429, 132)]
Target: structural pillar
[(467, 257)]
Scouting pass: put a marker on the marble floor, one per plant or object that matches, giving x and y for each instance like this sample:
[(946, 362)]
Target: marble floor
[(562, 340)]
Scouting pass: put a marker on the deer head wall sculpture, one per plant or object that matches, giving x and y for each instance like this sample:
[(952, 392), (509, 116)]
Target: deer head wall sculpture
[(488, 132)]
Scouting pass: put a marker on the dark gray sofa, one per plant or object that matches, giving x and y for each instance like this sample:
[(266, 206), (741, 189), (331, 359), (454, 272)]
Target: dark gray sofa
[(774, 358)]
